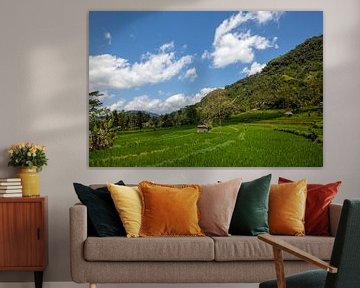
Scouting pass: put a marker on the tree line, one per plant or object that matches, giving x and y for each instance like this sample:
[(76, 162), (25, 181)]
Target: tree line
[(104, 124)]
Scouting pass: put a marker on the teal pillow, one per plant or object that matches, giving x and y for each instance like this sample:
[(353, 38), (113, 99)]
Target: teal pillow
[(250, 216)]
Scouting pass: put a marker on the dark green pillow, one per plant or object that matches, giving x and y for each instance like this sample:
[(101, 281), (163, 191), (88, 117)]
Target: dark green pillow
[(250, 216), (103, 218)]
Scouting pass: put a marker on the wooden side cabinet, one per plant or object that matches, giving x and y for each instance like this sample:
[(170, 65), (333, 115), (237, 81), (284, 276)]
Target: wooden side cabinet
[(23, 235)]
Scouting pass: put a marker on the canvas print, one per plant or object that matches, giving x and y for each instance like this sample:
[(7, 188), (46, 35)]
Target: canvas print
[(205, 89)]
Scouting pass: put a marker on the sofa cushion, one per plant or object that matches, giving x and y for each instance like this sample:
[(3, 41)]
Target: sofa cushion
[(169, 210), (244, 248), (287, 204), (250, 215), (318, 199), (216, 206), (102, 216), (149, 249), (127, 201)]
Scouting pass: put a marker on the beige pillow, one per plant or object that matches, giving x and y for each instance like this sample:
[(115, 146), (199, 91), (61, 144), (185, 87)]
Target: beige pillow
[(216, 206)]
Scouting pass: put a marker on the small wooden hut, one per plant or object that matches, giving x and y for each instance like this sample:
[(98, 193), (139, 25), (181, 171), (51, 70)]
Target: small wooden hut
[(202, 128)]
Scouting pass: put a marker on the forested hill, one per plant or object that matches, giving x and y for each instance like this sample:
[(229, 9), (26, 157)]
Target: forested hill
[(292, 80)]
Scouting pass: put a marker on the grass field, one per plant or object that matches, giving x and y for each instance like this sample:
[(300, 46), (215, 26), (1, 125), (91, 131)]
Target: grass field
[(251, 139)]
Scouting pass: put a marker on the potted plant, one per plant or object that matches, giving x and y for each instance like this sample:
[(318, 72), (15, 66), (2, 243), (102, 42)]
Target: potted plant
[(30, 158)]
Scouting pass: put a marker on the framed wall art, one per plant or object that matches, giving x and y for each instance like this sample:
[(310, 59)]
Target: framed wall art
[(205, 89)]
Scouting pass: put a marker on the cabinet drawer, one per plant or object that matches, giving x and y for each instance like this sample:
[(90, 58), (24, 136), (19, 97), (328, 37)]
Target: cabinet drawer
[(22, 236)]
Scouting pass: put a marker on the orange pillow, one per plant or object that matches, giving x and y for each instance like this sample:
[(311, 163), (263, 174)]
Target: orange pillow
[(287, 204), (169, 210), (318, 200)]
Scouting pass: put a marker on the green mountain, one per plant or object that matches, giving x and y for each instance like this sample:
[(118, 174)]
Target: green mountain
[(293, 80)]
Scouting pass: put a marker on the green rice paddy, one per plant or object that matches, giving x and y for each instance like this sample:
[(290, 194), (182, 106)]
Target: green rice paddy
[(251, 139)]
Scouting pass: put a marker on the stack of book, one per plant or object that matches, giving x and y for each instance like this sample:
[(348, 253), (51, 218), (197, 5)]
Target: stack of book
[(10, 187)]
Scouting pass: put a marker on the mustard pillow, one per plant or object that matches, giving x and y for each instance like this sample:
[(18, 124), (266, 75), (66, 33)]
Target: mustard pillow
[(287, 204), (169, 210), (127, 201)]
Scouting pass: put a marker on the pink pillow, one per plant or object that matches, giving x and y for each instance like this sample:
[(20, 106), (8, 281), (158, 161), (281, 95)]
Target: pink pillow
[(216, 206)]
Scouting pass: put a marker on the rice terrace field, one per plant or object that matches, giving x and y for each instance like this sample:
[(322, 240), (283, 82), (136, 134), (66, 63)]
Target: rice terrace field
[(250, 139)]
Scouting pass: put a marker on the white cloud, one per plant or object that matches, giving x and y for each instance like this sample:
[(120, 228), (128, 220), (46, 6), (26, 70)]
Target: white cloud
[(108, 37), (232, 46), (108, 71), (167, 47), (160, 106), (143, 103), (105, 95), (190, 74), (118, 105), (206, 55), (254, 68), (176, 102), (266, 16), (238, 47), (201, 94), (229, 24)]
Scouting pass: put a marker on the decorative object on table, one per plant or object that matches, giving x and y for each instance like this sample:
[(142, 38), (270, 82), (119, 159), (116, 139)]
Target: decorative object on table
[(10, 187), (30, 158), (205, 88)]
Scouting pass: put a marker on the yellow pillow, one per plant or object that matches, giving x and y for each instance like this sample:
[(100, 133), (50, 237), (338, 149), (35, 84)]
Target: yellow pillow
[(287, 204), (169, 210), (127, 201)]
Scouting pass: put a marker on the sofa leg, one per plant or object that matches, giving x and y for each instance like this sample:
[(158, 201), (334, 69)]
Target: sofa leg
[(92, 285)]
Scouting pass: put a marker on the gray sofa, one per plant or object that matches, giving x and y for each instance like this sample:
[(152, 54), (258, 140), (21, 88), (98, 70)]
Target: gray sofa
[(234, 259)]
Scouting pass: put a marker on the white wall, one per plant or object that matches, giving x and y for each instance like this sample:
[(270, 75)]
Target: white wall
[(43, 86)]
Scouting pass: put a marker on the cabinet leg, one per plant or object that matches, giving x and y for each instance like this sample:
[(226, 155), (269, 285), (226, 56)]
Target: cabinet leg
[(38, 279)]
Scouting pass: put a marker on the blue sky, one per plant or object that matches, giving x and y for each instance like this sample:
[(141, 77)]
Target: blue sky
[(162, 61)]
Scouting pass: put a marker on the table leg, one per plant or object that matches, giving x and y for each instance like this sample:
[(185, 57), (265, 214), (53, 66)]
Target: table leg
[(38, 279)]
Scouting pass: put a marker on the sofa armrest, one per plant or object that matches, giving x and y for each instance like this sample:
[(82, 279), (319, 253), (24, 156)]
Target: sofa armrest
[(334, 217), (78, 235)]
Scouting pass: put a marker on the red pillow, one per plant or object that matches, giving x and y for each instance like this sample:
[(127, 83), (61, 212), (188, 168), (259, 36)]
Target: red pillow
[(319, 197)]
